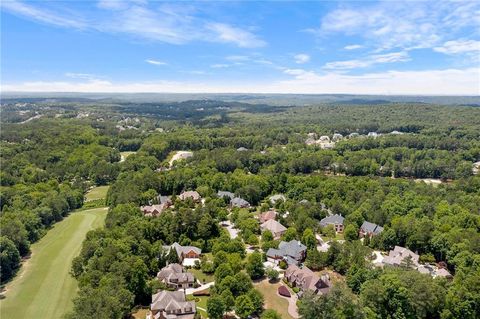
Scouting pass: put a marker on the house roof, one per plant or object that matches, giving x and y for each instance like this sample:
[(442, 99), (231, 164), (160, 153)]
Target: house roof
[(239, 202), (371, 228), (271, 214), (274, 198), (183, 249), (332, 219), (175, 272), (171, 300), (293, 248), (273, 226), (222, 194), (442, 272), (307, 279), (190, 194), (398, 254), (154, 209)]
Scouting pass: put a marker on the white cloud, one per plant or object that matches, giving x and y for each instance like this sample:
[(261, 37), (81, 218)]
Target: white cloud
[(428, 82), (459, 46), (369, 61), (170, 23), (155, 62), (301, 58), (237, 58), (242, 38), (43, 15), (353, 47), (219, 66), (85, 76), (388, 24)]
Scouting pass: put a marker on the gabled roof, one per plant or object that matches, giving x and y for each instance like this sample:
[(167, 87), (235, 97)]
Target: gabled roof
[(273, 226), (172, 299), (190, 194), (371, 228), (239, 202), (398, 254), (179, 249), (274, 198), (293, 248), (222, 194), (271, 214), (332, 219)]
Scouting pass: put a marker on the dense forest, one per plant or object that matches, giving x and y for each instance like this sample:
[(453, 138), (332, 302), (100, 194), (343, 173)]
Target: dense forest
[(254, 151)]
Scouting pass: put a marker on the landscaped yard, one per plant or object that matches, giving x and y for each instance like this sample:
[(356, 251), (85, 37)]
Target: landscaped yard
[(99, 192), (272, 299), (202, 303), (204, 278), (44, 288)]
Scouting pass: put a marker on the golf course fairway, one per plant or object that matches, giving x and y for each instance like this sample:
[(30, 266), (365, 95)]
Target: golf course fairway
[(43, 287)]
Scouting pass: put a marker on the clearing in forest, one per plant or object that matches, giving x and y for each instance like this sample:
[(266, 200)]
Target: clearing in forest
[(43, 287)]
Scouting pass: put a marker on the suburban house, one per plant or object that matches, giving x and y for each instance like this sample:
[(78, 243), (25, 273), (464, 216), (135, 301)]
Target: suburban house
[(171, 305), (335, 220), (223, 194), (154, 210), (239, 202), (274, 227), (195, 196), (277, 197), (184, 252), (369, 229), (164, 200), (265, 216), (174, 276), (292, 252), (400, 255), (306, 280)]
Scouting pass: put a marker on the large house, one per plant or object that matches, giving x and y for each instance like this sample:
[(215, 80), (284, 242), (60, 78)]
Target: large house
[(154, 210), (277, 197), (225, 194), (195, 196), (265, 216), (174, 276), (400, 256), (369, 229), (335, 220), (171, 305), (306, 280), (292, 252), (274, 227), (184, 252), (239, 202)]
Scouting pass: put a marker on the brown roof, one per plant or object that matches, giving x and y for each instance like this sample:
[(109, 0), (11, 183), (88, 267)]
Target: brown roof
[(271, 214)]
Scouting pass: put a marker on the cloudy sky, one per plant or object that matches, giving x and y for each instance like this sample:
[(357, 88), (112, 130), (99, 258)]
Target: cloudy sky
[(361, 47)]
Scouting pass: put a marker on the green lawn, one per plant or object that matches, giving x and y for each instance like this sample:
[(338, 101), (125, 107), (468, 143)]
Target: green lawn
[(202, 303), (43, 288), (99, 192), (272, 300), (204, 278)]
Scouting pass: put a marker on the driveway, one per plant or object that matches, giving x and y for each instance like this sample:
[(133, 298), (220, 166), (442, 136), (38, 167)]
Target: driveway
[(292, 303), (190, 291), (232, 231)]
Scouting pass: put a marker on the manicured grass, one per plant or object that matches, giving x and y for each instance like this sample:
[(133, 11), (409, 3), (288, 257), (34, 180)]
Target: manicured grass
[(203, 277), (202, 303), (99, 192), (44, 288), (272, 300)]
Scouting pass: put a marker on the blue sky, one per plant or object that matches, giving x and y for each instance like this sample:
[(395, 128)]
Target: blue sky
[(361, 47)]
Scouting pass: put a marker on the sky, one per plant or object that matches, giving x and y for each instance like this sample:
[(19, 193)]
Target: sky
[(359, 47)]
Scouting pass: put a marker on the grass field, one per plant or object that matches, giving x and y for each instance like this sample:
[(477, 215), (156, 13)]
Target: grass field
[(203, 277), (99, 192), (43, 288), (272, 300)]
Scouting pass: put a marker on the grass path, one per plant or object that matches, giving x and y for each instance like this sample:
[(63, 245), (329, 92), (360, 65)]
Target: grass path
[(43, 288), (99, 192)]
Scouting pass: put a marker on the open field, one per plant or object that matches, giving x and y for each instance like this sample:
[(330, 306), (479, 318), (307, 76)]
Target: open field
[(99, 192), (272, 299), (200, 275), (43, 288)]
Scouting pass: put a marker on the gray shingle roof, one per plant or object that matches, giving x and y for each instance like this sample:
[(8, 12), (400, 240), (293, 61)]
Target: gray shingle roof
[(371, 228), (222, 194), (332, 219), (239, 202)]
